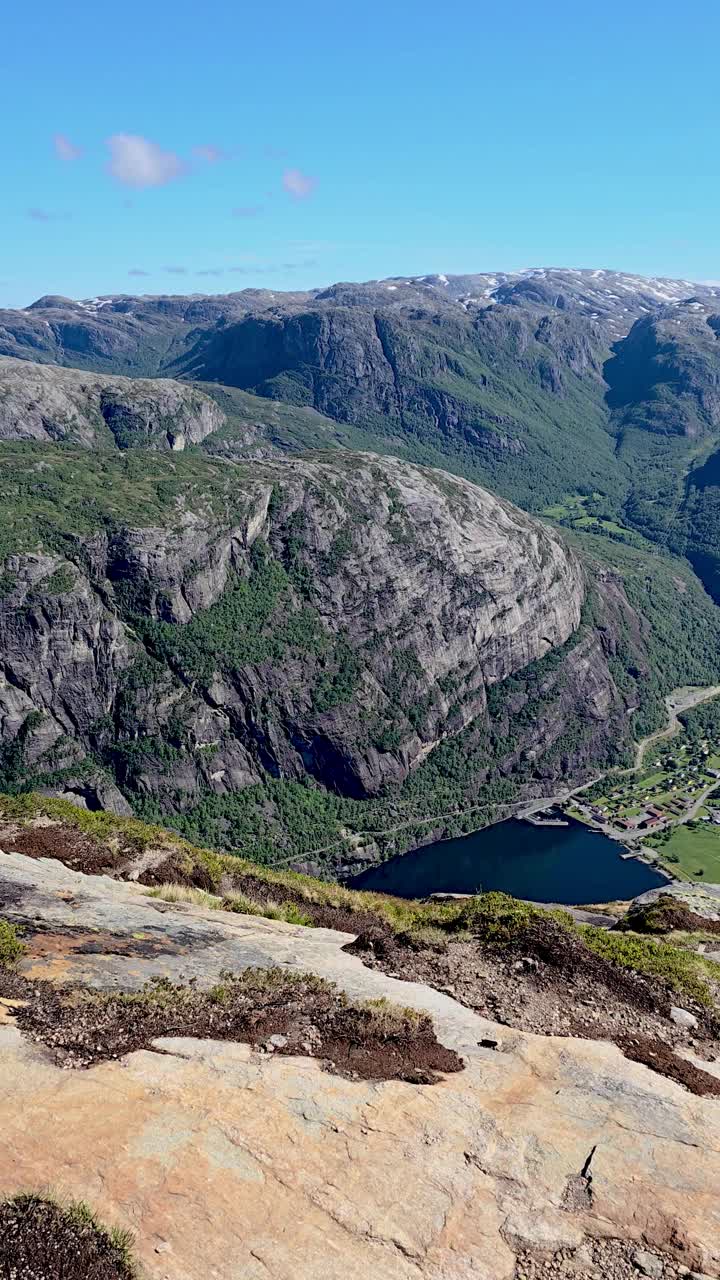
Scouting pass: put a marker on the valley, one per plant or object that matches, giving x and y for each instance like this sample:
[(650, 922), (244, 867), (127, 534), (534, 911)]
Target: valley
[(234, 537), (359, 642), (290, 628)]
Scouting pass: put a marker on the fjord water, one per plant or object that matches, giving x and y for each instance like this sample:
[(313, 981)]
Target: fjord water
[(568, 864)]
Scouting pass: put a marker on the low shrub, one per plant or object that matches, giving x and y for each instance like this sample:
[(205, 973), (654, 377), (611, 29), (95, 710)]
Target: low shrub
[(495, 918), (11, 948), (683, 971)]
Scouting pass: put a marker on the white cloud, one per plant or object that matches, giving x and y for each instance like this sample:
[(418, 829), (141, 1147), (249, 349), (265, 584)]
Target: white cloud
[(138, 271), (298, 184), (137, 162), (66, 149)]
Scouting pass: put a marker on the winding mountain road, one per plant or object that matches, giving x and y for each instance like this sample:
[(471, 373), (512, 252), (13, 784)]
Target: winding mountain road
[(676, 702)]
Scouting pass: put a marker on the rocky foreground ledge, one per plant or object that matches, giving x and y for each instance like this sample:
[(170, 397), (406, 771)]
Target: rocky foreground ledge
[(542, 1156)]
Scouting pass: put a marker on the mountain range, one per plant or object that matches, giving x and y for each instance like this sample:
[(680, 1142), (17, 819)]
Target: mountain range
[(234, 592)]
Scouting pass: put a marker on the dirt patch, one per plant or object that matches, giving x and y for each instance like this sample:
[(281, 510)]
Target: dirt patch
[(66, 844), (657, 1055), (272, 1010), (178, 868), (609, 1259), (547, 981), (40, 1239)]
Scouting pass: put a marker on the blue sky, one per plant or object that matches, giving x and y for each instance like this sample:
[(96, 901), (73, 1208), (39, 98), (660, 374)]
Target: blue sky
[(285, 145)]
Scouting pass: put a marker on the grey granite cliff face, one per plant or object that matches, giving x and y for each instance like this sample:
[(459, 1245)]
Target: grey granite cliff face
[(351, 616), (430, 560), (460, 380), (47, 404)]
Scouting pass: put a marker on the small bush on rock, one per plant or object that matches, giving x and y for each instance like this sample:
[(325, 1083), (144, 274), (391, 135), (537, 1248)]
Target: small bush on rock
[(11, 948)]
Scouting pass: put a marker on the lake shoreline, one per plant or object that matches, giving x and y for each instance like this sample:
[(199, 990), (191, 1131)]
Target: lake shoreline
[(570, 864)]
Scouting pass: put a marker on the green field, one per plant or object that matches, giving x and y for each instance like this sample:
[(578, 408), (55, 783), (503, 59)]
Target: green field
[(651, 781), (572, 511), (572, 505), (697, 851)]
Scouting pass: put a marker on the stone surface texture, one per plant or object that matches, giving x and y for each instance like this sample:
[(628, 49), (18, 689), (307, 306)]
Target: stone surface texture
[(49, 405), (230, 1164)]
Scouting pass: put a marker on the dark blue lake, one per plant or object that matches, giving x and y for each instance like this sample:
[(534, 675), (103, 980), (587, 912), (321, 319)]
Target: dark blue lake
[(568, 864)]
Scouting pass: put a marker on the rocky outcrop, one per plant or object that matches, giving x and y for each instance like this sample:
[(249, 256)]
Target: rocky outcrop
[(350, 617), (62, 655), (46, 404), (702, 900), (541, 1155)]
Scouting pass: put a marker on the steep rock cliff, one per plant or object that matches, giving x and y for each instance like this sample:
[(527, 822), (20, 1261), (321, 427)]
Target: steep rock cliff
[(346, 617), (496, 390), (40, 402), (198, 633)]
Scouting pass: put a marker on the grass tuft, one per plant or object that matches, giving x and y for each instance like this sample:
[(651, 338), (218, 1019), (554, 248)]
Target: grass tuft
[(286, 911), (237, 902), (389, 1019), (186, 893)]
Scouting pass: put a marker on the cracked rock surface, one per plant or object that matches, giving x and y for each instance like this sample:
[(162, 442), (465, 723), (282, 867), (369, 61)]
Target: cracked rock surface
[(546, 1156)]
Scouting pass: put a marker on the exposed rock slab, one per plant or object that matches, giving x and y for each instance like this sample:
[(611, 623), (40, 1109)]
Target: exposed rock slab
[(48, 404), (229, 1164), (701, 899)]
